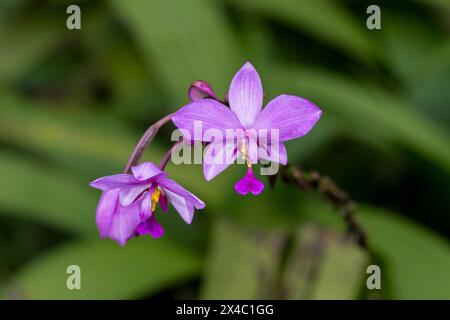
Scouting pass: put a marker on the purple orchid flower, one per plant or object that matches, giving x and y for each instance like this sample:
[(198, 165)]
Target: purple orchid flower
[(128, 203), (264, 131)]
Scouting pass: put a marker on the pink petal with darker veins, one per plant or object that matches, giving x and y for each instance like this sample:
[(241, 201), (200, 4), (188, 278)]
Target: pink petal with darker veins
[(129, 195), (218, 156), (246, 94), (114, 221), (205, 114), (146, 170), (114, 181), (276, 153), (182, 200), (292, 116), (170, 185)]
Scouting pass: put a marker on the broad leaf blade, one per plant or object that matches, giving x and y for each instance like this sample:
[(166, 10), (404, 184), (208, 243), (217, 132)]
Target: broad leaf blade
[(324, 19), (184, 41), (323, 265), (108, 271), (242, 264)]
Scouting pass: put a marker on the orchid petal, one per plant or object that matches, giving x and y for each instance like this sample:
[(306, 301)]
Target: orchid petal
[(146, 171), (145, 210), (246, 94), (113, 182), (184, 208), (105, 211), (170, 185), (225, 152), (124, 224), (292, 116), (206, 114), (114, 221), (128, 195), (252, 150), (272, 153)]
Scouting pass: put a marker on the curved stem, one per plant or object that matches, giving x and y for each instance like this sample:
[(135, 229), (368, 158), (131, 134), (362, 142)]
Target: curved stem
[(144, 141), (167, 156), (331, 192)]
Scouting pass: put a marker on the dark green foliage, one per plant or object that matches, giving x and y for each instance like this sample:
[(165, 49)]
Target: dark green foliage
[(74, 103)]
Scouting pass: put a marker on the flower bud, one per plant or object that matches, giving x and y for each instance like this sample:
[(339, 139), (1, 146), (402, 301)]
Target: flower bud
[(199, 90)]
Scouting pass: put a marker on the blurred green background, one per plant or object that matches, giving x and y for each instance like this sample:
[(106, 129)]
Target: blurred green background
[(74, 103)]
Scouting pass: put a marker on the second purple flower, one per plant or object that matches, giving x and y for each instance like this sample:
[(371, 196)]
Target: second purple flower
[(127, 206)]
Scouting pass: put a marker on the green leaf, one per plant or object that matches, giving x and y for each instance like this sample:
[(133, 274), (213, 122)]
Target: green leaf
[(144, 267), (133, 86), (414, 260), (37, 193), (324, 19), (19, 51), (183, 41), (9, 9), (418, 55), (438, 4), (321, 265), (417, 260), (242, 264), (324, 265), (86, 134), (413, 50), (367, 111)]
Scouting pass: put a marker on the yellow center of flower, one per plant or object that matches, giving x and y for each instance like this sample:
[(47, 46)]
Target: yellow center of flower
[(155, 197), (244, 152)]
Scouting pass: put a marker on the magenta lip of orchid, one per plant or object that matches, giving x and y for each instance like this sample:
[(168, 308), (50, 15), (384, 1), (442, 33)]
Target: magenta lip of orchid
[(291, 116), (128, 203)]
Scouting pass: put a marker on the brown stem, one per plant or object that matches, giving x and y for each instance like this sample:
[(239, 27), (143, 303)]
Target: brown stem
[(329, 190), (144, 141)]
